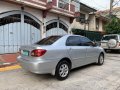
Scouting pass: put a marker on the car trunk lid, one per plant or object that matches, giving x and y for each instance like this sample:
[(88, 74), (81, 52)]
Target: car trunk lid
[(26, 50)]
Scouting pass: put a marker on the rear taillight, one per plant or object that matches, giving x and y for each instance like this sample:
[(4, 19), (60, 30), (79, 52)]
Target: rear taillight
[(38, 52)]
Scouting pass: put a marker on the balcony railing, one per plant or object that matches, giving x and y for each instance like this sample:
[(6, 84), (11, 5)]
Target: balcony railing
[(43, 0), (66, 5), (61, 4), (72, 8)]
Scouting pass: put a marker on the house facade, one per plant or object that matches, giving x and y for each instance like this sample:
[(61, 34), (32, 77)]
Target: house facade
[(102, 16), (115, 11), (24, 22), (100, 23), (89, 20), (86, 21)]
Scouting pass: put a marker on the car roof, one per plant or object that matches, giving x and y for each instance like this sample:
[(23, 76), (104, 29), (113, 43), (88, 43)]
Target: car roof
[(67, 35), (72, 35)]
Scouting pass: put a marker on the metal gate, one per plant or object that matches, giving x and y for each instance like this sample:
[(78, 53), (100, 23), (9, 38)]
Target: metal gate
[(17, 29), (56, 28)]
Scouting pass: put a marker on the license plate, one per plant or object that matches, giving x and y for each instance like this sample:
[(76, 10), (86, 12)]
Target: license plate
[(25, 53), (103, 44)]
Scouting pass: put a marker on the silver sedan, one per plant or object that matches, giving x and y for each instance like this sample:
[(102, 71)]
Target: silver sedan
[(57, 55)]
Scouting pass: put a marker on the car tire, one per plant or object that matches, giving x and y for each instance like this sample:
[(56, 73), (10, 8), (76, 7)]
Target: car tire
[(62, 70), (101, 59), (106, 50), (119, 51)]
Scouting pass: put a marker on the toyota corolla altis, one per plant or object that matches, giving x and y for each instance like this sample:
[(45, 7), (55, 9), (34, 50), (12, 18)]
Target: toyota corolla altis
[(57, 55)]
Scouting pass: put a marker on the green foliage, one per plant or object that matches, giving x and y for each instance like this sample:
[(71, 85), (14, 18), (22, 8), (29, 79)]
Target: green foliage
[(113, 26)]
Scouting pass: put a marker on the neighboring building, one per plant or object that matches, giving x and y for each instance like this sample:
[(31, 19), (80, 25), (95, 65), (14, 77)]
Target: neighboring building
[(89, 20), (86, 21), (115, 11), (103, 16), (100, 22), (23, 22)]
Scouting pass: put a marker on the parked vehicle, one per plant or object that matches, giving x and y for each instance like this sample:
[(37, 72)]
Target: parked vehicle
[(111, 42), (57, 55)]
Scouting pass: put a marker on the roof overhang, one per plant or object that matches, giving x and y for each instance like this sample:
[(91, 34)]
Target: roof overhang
[(86, 8)]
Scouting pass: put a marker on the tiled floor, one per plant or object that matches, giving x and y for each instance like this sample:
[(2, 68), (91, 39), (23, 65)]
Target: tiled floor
[(8, 58)]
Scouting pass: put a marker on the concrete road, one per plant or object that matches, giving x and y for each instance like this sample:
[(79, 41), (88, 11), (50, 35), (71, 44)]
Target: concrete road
[(91, 77)]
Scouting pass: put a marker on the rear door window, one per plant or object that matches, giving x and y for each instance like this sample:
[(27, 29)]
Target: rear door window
[(49, 40), (78, 41), (73, 41), (85, 41)]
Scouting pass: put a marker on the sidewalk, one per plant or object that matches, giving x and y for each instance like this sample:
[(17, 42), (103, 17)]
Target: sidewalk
[(8, 59)]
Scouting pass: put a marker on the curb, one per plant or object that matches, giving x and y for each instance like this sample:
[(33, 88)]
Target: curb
[(10, 68), (8, 64)]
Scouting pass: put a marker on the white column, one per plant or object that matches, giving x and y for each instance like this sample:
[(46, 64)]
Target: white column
[(69, 29), (57, 2), (69, 4), (43, 27)]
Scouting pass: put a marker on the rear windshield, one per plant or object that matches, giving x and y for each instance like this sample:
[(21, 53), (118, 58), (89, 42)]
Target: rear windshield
[(109, 37), (49, 40)]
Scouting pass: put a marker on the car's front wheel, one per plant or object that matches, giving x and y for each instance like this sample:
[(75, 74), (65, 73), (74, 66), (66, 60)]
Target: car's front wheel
[(101, 59), (62, 70)]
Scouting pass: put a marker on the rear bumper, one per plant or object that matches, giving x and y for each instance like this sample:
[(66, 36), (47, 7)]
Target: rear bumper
[(105, 46), (38, 67), (112, 48)]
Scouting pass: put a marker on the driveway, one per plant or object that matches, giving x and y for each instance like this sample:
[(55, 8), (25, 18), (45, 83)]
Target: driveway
[(90, 77)]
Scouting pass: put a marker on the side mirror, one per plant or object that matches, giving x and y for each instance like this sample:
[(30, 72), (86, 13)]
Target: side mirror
[(95, 44)]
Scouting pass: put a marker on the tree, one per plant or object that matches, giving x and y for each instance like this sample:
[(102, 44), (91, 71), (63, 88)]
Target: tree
[(113, 26)]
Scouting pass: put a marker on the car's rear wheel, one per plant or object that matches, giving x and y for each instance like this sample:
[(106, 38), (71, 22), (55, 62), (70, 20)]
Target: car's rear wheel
[(101, 59), (62, 70), (106, 50)]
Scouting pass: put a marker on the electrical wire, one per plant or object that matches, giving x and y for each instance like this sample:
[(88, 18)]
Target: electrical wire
[(116, 3)]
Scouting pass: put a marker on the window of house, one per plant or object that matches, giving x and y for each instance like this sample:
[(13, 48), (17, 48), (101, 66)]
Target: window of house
[(77, 6), (52, 25), (97, 24), (63, 27), (64, 4), (31, 21), (81, 18), (10, 19)]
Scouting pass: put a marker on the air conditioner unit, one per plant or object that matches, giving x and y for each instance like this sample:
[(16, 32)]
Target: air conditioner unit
[(82, 20)]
